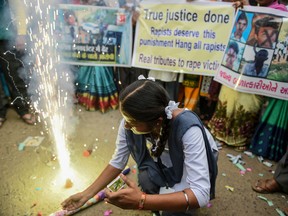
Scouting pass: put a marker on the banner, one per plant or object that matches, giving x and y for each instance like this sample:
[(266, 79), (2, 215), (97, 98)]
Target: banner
[(256, 60), (182, 37), (90, 35)]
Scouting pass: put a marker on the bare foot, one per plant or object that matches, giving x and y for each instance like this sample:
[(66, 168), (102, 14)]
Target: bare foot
[(29, 118)]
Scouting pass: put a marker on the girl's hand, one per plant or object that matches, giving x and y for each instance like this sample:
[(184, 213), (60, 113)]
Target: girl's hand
[(126, 198), (74, 202)]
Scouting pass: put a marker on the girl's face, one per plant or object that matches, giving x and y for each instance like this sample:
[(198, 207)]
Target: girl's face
[(135, 126), (264, 2)]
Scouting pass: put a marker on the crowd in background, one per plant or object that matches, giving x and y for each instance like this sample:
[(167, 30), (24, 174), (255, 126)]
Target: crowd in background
[(236, 119), (240, 120)]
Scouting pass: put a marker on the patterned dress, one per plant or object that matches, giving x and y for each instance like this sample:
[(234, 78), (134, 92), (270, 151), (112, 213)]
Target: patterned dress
[(236, 117), (95, 88), (271, 137)]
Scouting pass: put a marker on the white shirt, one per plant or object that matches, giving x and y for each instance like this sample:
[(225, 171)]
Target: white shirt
[(166, 76), (195, 168)]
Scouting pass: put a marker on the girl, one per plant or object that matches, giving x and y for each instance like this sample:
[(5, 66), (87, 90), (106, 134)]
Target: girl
[(174, 153)]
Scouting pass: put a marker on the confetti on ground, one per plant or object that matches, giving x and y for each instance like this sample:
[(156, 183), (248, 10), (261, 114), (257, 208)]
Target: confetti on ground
[(86, 153), (261, 174), (267, 164), (235, 159), (33, 141), (108, 212), (250, 154), (270, 203), (281, 213), (209, 205), (223, 174), (249, 169), (260, 159), (21, 146), (242, 172), (229, 188), (240, 167), (272, 171)]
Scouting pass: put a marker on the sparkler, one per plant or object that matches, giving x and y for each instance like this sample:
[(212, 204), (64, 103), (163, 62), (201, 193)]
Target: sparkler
[(50, 82), (97, 198)]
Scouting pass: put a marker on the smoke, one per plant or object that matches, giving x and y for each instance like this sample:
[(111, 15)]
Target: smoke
[(51, 83)]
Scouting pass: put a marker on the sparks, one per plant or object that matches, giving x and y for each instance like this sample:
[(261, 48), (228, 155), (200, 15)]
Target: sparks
[(51, 98)]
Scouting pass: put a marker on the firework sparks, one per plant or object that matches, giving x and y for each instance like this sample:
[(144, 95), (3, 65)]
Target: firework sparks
[(51, 83)]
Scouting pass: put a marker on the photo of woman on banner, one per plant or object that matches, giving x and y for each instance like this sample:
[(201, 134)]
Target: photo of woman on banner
[(256, 62), (265, 31)]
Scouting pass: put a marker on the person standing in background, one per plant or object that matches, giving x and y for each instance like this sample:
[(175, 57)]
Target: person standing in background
[(95, 86), (236, 115), (12, 45), (279, 181), (270, 137), (169, 80), (190, 91), (124, 76)]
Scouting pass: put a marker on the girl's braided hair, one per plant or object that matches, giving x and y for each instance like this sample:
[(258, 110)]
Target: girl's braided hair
[(145, 101)]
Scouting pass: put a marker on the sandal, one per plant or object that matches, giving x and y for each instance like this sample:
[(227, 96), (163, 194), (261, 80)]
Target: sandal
[(29, 118), (266, 186), (2, 120)]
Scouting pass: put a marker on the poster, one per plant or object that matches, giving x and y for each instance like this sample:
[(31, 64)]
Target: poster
[(257, 61), (182, 37), (90, 35)]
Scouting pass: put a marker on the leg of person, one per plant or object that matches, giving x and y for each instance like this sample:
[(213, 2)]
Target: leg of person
[(120, 75), (3, 105), (266, 186), (18, 90), (279, 182), (192, 85), (173, 89), (125, 76), (281, 173), (191, 97)]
